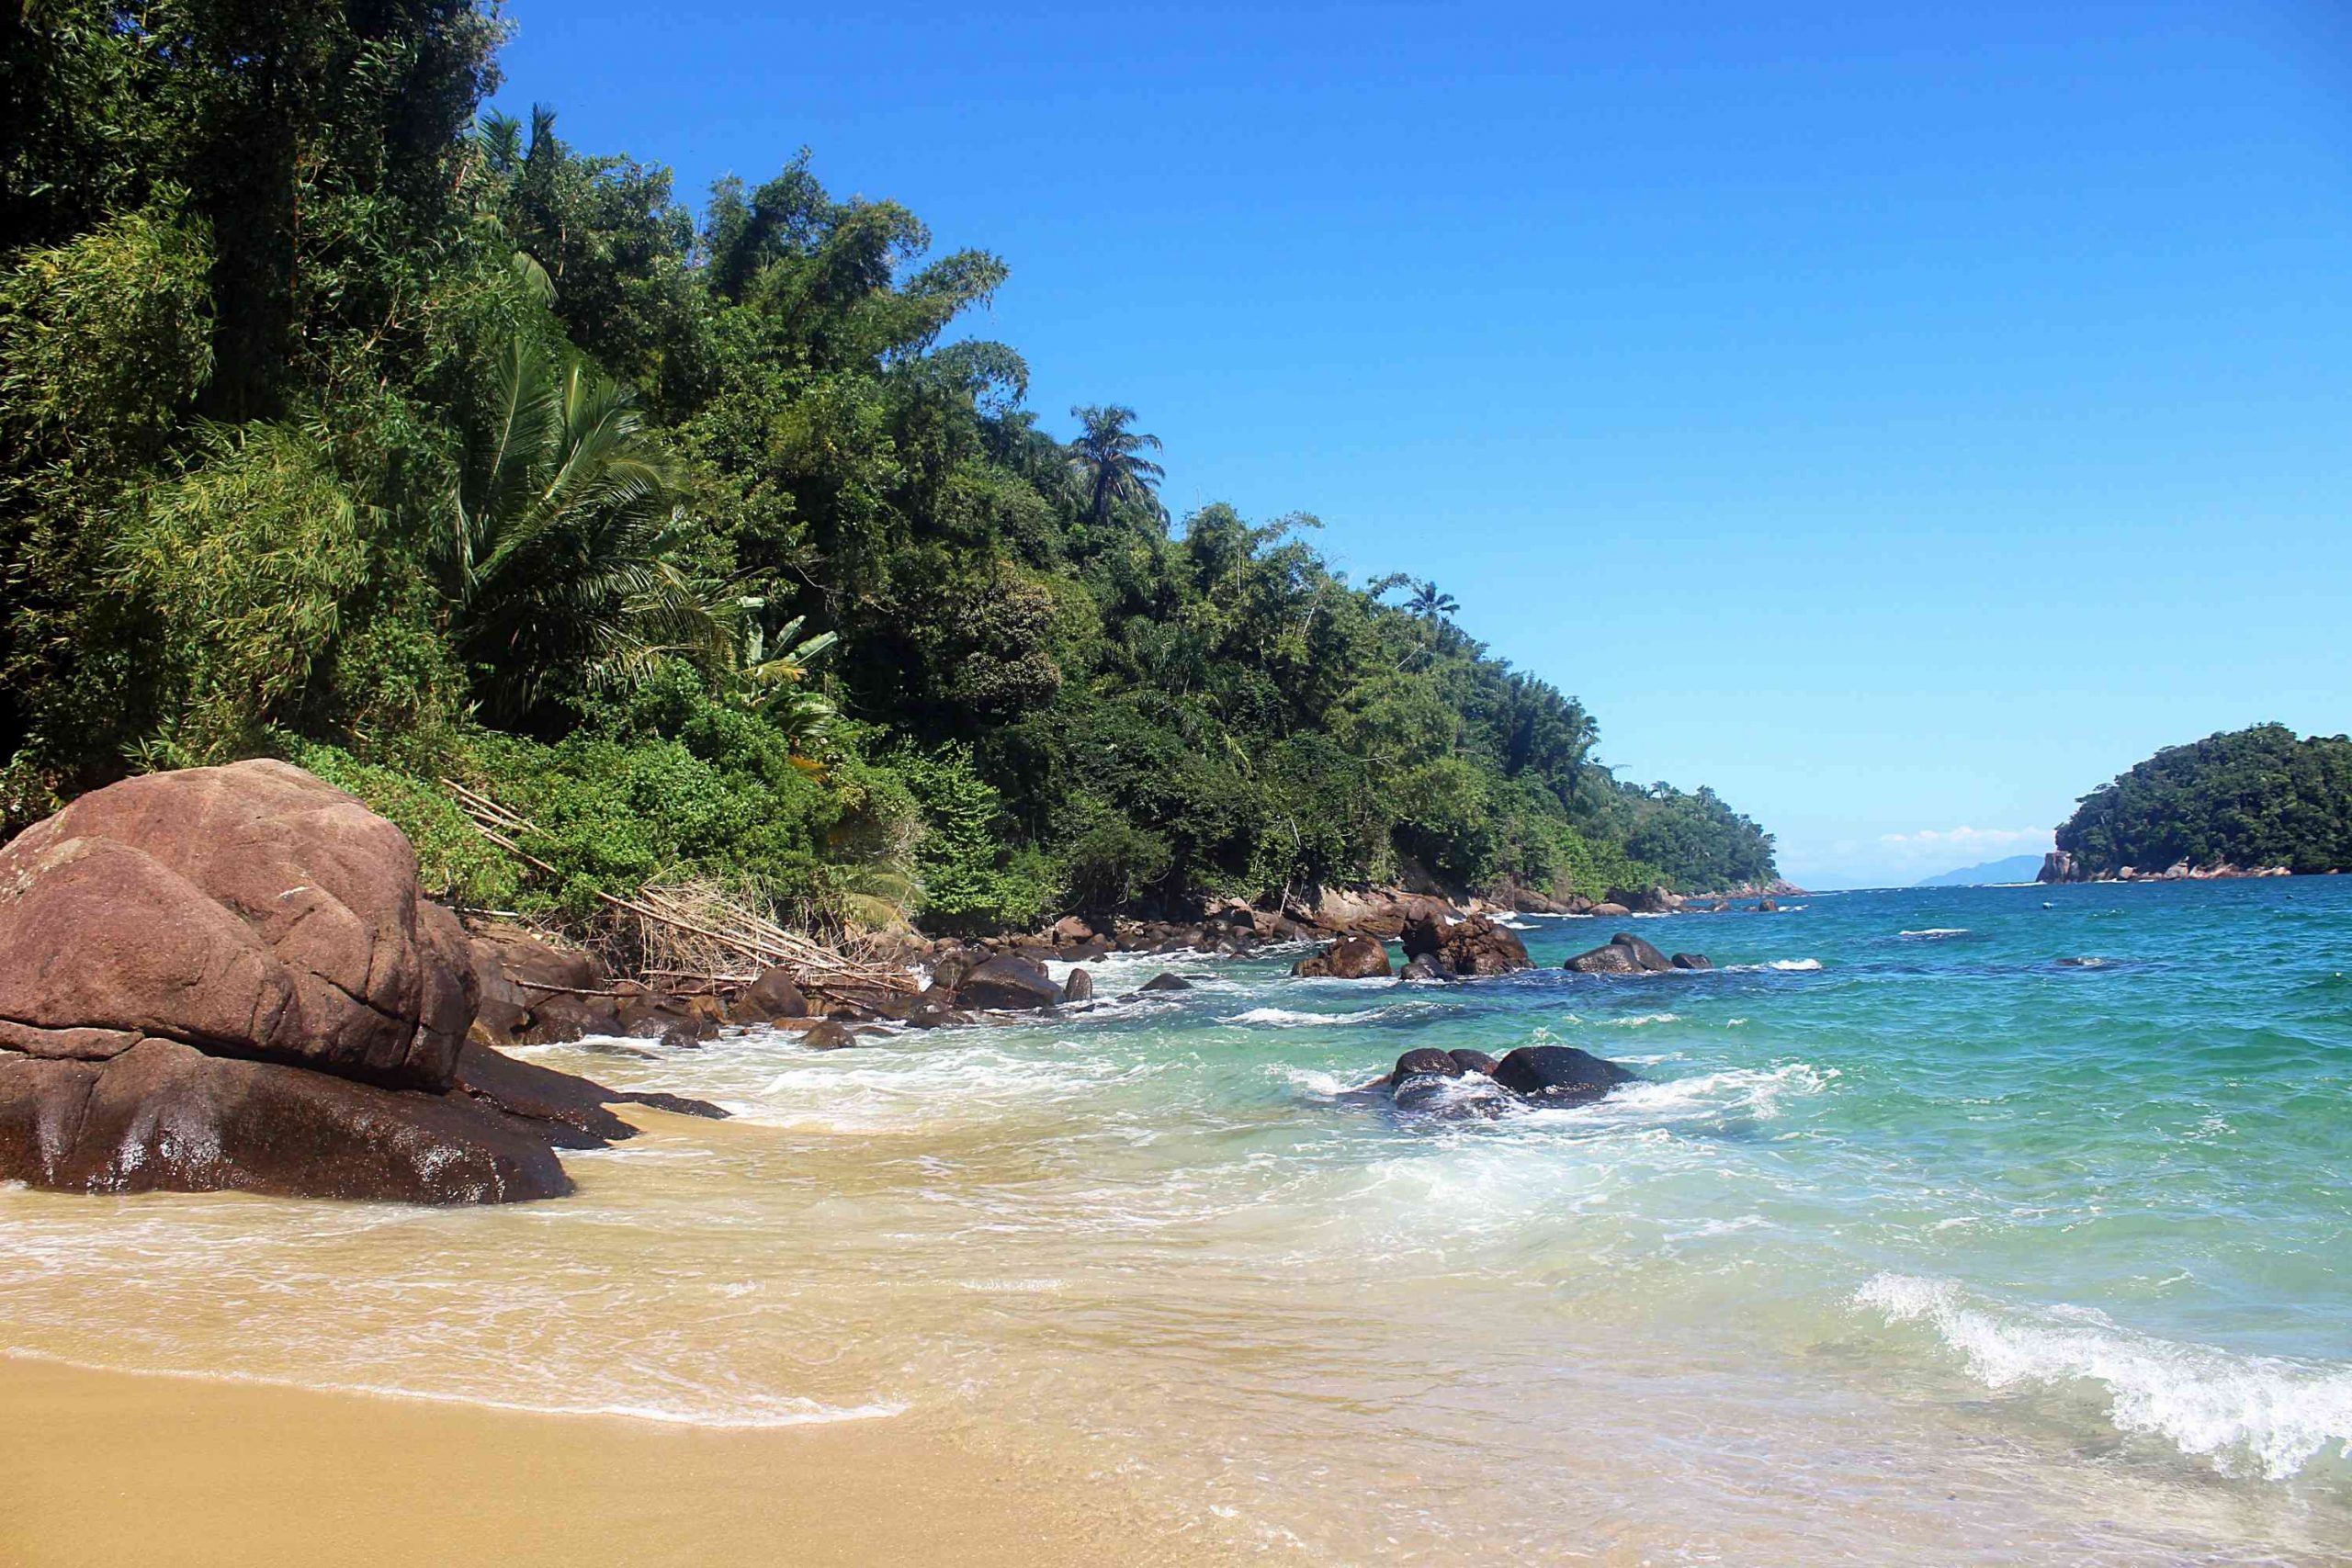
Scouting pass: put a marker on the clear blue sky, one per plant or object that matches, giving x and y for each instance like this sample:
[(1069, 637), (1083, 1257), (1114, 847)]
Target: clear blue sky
[(1900, 417)]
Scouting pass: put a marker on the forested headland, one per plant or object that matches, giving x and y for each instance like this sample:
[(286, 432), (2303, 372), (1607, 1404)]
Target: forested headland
[(2245, 799), (346, 421)]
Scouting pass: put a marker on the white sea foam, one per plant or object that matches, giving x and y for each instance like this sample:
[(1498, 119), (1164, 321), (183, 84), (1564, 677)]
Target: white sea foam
[(1285, 1018), (1794, 966), (2264, 1415), (1933, 932), (1638, 1020)]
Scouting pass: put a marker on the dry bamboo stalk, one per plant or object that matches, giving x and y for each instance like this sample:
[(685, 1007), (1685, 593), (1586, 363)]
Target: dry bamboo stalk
[(818, 967)]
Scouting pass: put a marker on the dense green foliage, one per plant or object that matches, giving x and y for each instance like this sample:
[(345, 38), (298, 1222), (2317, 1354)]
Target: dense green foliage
[(2247, 798), (340, 421)]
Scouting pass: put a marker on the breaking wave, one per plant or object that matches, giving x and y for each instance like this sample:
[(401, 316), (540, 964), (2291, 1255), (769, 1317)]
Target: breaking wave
[(2259, 1415)]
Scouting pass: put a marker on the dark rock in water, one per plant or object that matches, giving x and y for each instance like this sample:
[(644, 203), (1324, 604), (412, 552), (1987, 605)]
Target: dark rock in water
[(935, 1007), (1425, 967), (771, 997), (1429, 1082), (685, 1033), (165, 1117), (527, 1089), (1349, 958), (1691, 961), (1078, 988), (1425, 1062), (1624, 953), (829, 1036), (1473, 1062), (1009, 982), (1559, 1074), (1768, 907), (1643, 901), (1164, 981), (1611, 910)]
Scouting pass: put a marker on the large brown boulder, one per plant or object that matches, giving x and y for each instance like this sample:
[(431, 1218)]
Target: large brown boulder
[(165, 1117), (250, 910), (1349, 958), (1651, 900)]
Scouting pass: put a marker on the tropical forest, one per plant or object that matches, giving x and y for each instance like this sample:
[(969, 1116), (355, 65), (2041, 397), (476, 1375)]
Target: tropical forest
[(346, 421)]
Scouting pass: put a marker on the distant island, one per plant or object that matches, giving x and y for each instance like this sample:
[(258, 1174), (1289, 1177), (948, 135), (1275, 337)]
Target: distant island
[(2014, 868), (2246, 802)]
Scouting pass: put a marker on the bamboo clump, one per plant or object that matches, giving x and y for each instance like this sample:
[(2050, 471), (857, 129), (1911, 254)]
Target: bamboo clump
[(696, 931)]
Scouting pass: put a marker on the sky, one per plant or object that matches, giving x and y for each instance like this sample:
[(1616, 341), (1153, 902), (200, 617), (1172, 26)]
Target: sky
[(1902, 418)]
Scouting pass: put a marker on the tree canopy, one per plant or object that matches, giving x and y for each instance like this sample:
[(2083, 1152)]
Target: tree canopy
[(347, 423), (2248, 798)]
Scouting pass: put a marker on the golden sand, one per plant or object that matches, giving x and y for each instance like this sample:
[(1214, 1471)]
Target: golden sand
[(109, 1469)]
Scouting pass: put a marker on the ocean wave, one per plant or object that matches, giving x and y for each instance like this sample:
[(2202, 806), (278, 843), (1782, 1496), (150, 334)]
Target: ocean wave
[(1639, 1019), (1785, 965), (2265, 1414), (1934, 933)]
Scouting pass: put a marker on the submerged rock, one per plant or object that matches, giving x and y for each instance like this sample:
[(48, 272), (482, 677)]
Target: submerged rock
[(1164, 981), (1078, 988), (1473, 1062), (829, 1036), (1425, 967), (1471, 946), (1691, 961)]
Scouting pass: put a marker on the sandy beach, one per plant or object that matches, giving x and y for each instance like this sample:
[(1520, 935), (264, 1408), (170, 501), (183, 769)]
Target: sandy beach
[(110, 1468)]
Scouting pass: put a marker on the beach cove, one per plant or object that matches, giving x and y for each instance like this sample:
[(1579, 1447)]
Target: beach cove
[(1954, 1225)]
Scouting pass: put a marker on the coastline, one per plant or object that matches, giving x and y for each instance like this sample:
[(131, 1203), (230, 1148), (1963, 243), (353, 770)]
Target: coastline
[(134, 1467)]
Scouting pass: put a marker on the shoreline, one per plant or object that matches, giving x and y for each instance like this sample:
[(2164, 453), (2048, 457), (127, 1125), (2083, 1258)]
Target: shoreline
[(198, 1469)]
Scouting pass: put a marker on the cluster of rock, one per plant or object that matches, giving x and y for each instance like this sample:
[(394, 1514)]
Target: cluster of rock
[(1439, 943), (226, 978), (2059, 866), (1473, 1083)]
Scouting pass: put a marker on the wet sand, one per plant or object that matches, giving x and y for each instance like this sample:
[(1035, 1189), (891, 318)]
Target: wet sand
[(105, 1468)]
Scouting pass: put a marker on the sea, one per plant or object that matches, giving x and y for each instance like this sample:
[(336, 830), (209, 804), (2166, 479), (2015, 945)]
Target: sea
[(1959, 1226)]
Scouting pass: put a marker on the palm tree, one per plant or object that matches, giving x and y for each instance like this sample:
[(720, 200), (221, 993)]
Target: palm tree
[(1109, 455), (566, 559), (1429, 604)]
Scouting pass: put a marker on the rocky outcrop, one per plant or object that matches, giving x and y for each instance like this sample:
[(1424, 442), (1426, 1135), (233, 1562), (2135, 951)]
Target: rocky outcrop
[(1349, 958), (1078, 988), (2057, 865), (1650, 900), (225, 978), (1624, 953), (1467, 947), (771, 997), (1164, 981)]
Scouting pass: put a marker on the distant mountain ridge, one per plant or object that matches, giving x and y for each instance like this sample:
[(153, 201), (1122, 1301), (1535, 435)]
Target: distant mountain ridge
[(2016, 868)]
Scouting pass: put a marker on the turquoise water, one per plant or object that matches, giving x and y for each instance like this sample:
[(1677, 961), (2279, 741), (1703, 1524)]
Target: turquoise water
[(1918, 1244)]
